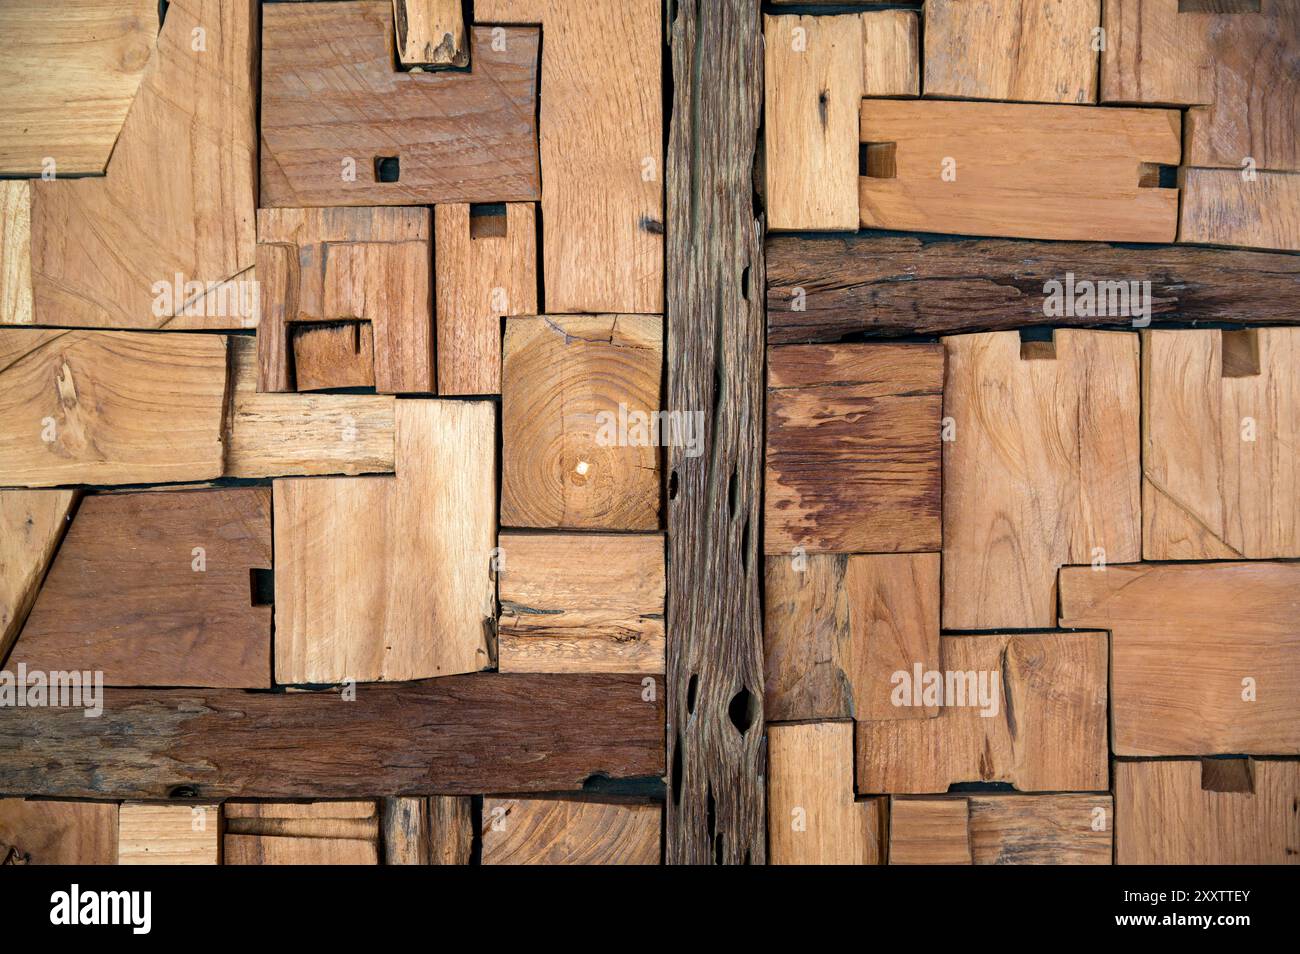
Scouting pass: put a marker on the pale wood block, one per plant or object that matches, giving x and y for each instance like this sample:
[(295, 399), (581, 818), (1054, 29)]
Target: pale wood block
[(1220, 208), (1030, 51), (1027, 709), (1221, 421), (486, 269), (1205, 657), (387, 578), (891, 58), (568, 384), (430, 33), (853, 448), (34, 832), (168, 834), (581, 603), (334, 356), (32, 522), (539, 831), (15, 253), (812, 816), (107, 407), (940, 166), (1207, 812), (1043, 470), (929, 831)]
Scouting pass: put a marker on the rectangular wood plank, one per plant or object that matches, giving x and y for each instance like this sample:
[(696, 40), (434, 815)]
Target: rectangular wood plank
[(554, 831)]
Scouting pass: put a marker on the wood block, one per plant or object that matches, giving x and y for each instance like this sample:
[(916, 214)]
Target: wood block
[(947, 167), (1046, 728), (71, 79), (57, 833), (813, 817), (814, 76), (1042, 470), (168, 834), (896, 285), (891, 55), (486, 268), (1176, 813), (32, 523), (601, 146), (275, 435), (333, 356), (477, 733), (387, 578), (1220, 421), (100, 407), (1205, 657), (370, 264), (15, 253), (154, 589), (430, 33), (545, 831), (581, 603), (838, 627), (1029, 51), (311, 833), (1001, 830), (1219, 208), (436, 830), (567, 383), (164, 238), (853, 448), (1238, 71), (331, 92), (929, 831)]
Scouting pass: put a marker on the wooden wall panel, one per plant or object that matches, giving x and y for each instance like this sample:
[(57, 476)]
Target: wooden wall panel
[(168, 834), (35, 832), (1219, 208), (32, 522), (1002, 830), (544, 831)]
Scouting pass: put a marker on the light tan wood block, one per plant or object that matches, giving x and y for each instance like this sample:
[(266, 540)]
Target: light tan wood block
[(539, 831), (812, 815), (15, 253), (1221, 208), (891, 58), (430, 33), (35, 832), (300, 833), (1018, 170), (929, 831), (1042, 470), (1027, 709), (1203, 813), (32, 522), (486, 269), (578, 396), (333, 356), (1205, 657), (388, 578), (581, 602), (168, 834), (1220, 421), (1002, 830)]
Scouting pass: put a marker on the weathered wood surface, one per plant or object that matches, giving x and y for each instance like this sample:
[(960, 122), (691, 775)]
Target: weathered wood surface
[(32, 522), (828, 288), (929, 831), (430, 33), (433, 830), (554, 831), (458, 735), (311, 833), (715, 345), (36, 832), (1219, 208), (891, 58), (183, 834)]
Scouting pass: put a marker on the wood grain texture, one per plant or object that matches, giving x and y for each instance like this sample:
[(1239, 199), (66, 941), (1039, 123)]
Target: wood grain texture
[(824, 289), (891, 58), (813, 818), (1239, 73), (277, 435), (1046, 728), (353, 264), (430, 33), (34, 832), (387, 578), (1066, 158), (458, 735), (168, 834), (333, 356), (1042, 470), (101, 407), (566, 383), (814, 76), (71, 78), (601, 128), (1220, 476), (310, 833), (715, 276), (1165, 815), (545, 831), (1004, 829), (581, 603), (853, 448), (433, 830), (32, 522), (486, 268), (331, 91), (175, 205), (1219, 208), (1028, 51), (153, 589), (1185, 638), (929, 831), (15, 253)]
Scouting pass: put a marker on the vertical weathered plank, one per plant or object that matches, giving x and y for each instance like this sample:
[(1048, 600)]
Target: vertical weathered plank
[(715, 279)]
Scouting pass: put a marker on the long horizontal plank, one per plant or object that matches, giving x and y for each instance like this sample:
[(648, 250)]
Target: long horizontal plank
[(824, 289), (457, 735)]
